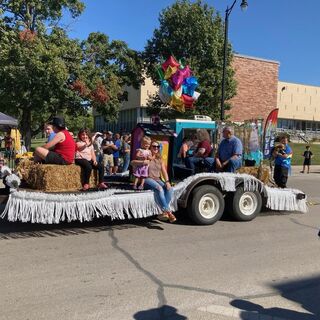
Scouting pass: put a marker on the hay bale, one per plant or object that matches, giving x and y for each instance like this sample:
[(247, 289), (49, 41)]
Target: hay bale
[(262, 173), (55, 178), (23, 167)]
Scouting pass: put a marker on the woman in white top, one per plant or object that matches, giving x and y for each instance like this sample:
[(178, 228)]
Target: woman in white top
[(86, 159)]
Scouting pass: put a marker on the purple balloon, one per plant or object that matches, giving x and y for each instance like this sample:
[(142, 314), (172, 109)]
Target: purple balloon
[(178, 78)]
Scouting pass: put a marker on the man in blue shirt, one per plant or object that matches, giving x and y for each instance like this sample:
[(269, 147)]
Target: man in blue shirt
[(229, 154), (116, 153), (282, 163), (49, 132)]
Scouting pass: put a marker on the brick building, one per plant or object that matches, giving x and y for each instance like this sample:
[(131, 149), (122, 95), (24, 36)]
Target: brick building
[(257, 87), (258, 92)]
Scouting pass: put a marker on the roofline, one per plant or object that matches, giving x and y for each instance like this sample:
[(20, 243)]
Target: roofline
[(255, 58), (299, 84), (191, 121)]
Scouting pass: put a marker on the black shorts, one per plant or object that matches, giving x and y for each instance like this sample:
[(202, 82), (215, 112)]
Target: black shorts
[(116, 161), (307, 162), (54, 158)]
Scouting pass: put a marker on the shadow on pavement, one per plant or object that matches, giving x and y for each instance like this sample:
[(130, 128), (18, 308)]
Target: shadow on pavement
[(305, 292), (162, 313), (18, 230)]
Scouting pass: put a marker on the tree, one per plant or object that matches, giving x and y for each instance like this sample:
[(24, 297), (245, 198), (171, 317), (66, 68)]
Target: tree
[(106, 68), (192, 31), (43, 72)]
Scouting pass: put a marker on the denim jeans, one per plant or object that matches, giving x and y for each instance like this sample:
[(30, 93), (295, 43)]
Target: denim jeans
[(126, 161), (162, 194), (232, 165), (191, 162)]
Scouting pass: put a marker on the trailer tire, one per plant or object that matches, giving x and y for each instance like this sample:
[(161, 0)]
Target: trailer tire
[(207, 205), (246, 205)]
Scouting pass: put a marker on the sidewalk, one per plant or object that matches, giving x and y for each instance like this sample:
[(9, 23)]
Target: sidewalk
[(295, 170)]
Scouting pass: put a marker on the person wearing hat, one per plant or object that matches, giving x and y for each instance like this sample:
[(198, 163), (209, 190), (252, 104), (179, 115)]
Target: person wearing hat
[(229, 154), (61, 149)]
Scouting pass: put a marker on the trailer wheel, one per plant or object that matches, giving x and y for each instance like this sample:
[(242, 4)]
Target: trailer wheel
[(207, 205), (246, 205)]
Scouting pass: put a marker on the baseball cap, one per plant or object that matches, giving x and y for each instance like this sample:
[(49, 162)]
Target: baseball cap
[(58, 121)]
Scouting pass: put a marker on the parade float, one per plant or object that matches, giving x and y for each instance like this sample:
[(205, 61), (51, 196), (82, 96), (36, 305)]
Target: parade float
[(50, 193)]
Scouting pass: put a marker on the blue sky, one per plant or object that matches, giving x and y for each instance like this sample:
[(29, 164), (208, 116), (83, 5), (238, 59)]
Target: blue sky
[(282, 30)]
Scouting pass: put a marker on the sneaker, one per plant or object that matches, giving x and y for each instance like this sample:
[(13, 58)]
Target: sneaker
[(141, 187), (102, 185), (134, 187), (85, 187)]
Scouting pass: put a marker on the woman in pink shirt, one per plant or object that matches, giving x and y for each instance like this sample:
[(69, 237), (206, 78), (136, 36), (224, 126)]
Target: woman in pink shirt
[(86, 159)]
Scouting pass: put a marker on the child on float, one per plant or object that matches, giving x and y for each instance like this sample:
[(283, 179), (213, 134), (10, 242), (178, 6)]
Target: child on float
[(9, 179), (86, 159), (141, 171)]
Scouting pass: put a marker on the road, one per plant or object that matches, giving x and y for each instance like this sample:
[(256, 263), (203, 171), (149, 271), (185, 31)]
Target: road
[(146, 270)]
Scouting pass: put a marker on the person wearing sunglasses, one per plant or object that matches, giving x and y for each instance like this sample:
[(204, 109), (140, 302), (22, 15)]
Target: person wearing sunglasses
[(162, 189)]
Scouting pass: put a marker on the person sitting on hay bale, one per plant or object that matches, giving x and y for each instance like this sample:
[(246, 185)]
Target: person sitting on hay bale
[(61, 149), (86, 159)]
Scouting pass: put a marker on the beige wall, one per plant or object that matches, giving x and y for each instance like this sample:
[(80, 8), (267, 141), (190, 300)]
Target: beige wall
[(139, 98), (134, 99), (298, 101), (148, 89)]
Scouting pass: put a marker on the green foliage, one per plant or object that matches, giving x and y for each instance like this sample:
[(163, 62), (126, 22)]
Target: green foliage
[(114, 65), (31, 14), (299, 148), (193, 31), (76, 123), (43, 72)]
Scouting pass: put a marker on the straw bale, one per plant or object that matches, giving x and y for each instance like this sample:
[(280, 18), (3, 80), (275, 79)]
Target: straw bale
[(23, 167), (55, 178), (262, 173)]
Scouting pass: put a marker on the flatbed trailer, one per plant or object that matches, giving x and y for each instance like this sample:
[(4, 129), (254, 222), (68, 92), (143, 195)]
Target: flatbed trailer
[(205, 196)]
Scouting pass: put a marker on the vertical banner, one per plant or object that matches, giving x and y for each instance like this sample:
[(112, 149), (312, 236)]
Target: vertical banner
[(269, 133)]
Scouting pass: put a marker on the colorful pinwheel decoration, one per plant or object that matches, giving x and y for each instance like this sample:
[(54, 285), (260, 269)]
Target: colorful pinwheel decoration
[(178, 86)]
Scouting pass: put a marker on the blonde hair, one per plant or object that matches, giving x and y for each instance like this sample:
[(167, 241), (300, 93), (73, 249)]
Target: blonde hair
[(202, 135), (146, 139)]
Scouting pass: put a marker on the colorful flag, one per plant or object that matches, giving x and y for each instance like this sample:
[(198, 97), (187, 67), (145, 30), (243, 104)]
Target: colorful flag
[(270, 133)]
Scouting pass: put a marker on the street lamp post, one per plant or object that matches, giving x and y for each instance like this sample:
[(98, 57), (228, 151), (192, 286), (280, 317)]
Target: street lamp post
[(243, 5)]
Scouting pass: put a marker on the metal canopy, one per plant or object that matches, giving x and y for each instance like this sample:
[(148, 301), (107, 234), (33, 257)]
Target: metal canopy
[(7, 122)]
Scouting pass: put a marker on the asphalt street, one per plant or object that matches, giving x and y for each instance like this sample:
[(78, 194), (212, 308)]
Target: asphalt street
[(146, 269)]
